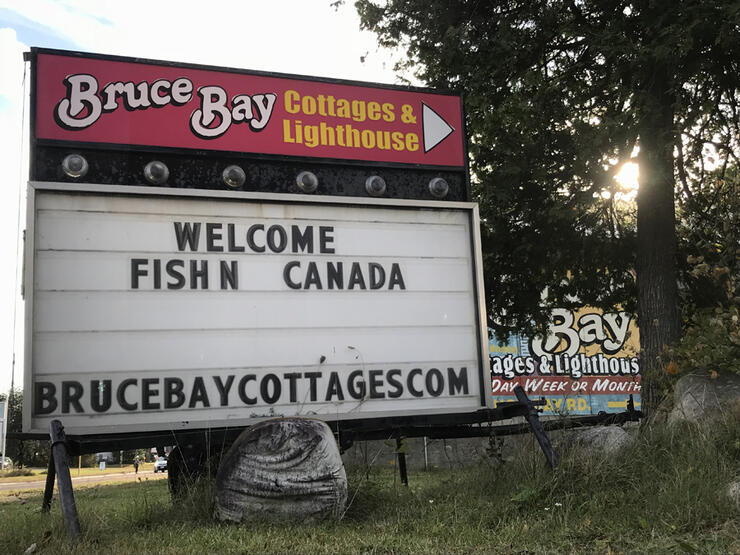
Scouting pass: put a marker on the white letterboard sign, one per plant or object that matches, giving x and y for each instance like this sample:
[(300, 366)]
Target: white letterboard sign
[(178, 310)]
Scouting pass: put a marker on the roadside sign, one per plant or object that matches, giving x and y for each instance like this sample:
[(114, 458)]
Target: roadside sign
[(124, 102), (166, 309)]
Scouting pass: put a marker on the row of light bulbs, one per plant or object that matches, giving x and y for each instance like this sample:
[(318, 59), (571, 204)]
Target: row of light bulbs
[(234, 177)]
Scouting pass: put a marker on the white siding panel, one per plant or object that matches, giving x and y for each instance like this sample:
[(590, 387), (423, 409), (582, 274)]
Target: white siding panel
[(64, 352), (152, 311)]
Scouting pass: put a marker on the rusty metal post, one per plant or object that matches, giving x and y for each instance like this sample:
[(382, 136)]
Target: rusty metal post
[(66, 494), (49, 489), (401, 454), (534, 423)]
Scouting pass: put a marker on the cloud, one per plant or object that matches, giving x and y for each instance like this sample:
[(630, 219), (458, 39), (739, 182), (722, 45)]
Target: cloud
[(11, 70), (32, 32), (307, 37)]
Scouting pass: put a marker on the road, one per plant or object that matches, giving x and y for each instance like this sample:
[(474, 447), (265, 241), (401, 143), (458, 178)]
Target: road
[(84, 480)]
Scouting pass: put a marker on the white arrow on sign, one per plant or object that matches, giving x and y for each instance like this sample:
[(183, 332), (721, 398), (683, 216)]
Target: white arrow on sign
[(435, 128)]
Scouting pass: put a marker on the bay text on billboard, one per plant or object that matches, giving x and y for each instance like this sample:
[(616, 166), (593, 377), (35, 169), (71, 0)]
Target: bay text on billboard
[(586, 364)]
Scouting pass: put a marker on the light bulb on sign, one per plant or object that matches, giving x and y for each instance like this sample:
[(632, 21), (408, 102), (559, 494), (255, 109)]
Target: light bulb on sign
[(75, 166), (156, 172)]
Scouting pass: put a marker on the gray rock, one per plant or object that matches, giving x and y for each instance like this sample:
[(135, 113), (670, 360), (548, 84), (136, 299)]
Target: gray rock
[(281, 468), (733, 492), (631, 427), (601, 439), (698, 397)]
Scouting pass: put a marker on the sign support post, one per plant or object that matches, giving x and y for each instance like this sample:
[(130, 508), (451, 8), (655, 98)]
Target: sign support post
[(534, 422), (51, 473), (401, 454), (66, 494)]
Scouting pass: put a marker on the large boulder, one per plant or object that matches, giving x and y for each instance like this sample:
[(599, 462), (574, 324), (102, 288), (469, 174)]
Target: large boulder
[(281, 468), (698, 397)]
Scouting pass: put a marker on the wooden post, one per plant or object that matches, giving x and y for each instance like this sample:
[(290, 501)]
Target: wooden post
[(66, 494), (49, 489)]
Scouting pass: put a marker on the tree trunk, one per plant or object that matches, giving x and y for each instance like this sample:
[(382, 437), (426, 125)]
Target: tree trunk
[(657, 290)]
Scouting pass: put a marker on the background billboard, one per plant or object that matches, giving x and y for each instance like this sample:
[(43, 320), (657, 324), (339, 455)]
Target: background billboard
[(172, 309), (587, 364)]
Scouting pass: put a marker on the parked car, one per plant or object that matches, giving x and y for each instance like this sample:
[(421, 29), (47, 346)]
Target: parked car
[(160, 465), (7, 463)]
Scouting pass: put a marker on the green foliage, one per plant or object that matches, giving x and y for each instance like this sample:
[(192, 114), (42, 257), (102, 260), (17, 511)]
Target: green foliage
[(663, 494), (23, 452), (709, 232), (550, 122), (558, 95), (86, 461), (711, 343)]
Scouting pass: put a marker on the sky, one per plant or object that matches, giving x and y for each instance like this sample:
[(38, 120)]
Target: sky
[(307, 37)]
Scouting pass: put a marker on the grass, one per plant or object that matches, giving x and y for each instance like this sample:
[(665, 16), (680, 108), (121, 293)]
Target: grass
[(664, 494), (20, 473), (23, 490), (35, 474)]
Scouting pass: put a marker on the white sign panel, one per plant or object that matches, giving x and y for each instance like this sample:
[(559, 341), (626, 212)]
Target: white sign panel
[(176, 310)]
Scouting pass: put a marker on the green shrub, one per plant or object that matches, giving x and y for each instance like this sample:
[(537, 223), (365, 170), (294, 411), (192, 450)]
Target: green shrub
[(709, 236)]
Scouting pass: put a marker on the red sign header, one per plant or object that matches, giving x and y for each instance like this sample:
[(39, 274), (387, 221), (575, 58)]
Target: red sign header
[(96, 100)]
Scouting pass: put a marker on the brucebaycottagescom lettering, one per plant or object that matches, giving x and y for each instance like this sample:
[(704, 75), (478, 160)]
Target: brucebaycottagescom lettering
[(105, 395)]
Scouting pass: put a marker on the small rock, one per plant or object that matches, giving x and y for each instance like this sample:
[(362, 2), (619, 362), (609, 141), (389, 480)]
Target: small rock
[(31, 549), (285, 468), (733, 492)]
